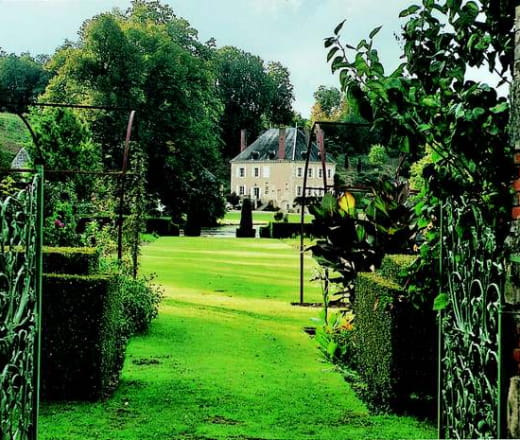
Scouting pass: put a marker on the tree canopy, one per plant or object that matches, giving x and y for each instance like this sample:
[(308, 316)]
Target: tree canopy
[(22, 79), (148, 60), (254, 95)]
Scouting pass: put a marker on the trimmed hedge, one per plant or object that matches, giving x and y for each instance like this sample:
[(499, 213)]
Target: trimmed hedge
[(395, 343), (163, 226), (285, 230), (392, 266), (82, 337), (265, 231), (76, 261)]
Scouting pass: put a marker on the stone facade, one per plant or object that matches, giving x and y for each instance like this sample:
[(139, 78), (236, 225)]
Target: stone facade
[(259, 172)]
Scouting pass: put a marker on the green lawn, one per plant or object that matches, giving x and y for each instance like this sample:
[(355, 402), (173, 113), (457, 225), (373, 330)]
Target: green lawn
[(233, 217), (227, 358)]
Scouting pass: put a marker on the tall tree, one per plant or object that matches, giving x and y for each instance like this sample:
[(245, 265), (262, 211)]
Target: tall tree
[(22, 78), (281, 94), (242, 83), (254, 95), (148, 60)]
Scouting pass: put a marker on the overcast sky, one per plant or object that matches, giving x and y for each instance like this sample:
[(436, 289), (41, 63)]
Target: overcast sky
[(288, 31)]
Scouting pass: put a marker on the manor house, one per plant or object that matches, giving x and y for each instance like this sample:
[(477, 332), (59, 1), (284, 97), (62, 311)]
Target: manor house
[(270, 170)]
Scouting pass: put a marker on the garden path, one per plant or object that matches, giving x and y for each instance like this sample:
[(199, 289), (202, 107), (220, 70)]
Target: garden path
[(227, 358)]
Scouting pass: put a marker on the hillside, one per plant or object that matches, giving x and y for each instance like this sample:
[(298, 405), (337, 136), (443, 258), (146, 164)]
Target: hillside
[(13, 136)]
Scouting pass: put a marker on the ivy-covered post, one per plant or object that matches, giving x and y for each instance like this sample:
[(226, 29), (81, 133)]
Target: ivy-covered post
[(512, 291)]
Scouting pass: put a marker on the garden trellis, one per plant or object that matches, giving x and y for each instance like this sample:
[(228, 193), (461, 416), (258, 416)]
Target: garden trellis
[(316, 126), (20, 307)]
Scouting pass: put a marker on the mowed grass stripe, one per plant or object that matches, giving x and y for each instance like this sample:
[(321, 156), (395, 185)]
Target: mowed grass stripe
[(225, 362)]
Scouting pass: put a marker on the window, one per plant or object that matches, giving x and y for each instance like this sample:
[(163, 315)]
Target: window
[(241, 190), (256, 192), (257, 172), (300, 172), (299, 191), (310, 172), (267, 171), (328, 173), (242, 172), (320, 172)]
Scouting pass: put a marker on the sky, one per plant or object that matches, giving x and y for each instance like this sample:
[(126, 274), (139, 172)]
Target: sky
[(288, 31)]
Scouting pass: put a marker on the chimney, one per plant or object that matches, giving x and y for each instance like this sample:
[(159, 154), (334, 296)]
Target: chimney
[(320, 140), (281, 143), (243, 139)]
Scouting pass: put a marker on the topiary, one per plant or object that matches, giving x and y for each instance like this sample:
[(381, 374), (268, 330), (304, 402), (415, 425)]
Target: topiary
[(246, 220)]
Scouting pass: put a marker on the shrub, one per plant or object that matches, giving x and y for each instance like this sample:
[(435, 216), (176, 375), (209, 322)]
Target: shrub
[(377, 155), (375, 338), (394, 341), (77, 261), (265, 231), (287, 230), (161, 226), (82, 337), (140, 301)]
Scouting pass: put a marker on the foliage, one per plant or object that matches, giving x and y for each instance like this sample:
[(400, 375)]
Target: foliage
[(83, 344), (22, 79), (253, 94), (60, 217), (429, 100), (394, 370), (346, 244), (390, 209), (335, 340), (328, 104), (64, 141), (192, 227), (281, 93), (416, 180), (377, 155), (140, 301), (71, 260), (353, 134), (149, 60)]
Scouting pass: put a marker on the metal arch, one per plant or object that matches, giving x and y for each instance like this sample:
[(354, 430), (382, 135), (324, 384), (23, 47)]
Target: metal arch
[(325, 187), (124, 167)]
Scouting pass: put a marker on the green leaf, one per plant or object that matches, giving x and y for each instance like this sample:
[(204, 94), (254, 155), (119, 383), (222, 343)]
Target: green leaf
[(429, 101), (362, 44), (477, 112), (500, 108), (329, 42), (436, 157), (405, 144), (331, 348), (338, 27), (441, 302), (409, 11), (331, 53), (374, 32)]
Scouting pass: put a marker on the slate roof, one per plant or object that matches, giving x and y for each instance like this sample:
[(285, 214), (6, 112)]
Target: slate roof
[(21, 160), (266, 147)]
